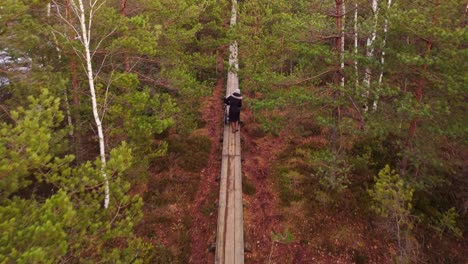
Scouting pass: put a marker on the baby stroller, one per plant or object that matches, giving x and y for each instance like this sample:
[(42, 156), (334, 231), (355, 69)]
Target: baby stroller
[(226, 113)]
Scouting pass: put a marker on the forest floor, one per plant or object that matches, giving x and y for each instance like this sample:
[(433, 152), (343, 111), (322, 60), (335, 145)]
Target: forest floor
[(260, 215), (324, 236), (203, 228), (180, 210)]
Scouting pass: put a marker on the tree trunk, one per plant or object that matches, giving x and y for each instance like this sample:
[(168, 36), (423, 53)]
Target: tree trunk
[(48, 9), (86, 35), (342, 46), (75, 85), (338, 77), (123, 5), (356, 71), (419, 92), (370, 50), (339, 40), (382, 59)]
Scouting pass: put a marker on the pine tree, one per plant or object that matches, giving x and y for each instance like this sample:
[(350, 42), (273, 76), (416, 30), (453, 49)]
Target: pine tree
[(393, 197), (63, 219)]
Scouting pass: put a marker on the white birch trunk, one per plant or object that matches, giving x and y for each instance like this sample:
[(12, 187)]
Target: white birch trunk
[(342, 48), (382, 59), (356, 71), (86, 34), (370, 49), (233, 80)]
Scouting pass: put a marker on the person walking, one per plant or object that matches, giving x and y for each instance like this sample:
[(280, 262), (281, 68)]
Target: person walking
[(235, 104)]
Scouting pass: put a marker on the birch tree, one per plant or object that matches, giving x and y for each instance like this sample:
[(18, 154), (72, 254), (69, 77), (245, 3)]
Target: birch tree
[(382, 58), (370, 49), (85, 18)]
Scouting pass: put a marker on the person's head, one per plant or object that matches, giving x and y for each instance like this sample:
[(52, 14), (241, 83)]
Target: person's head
[(237, 91)]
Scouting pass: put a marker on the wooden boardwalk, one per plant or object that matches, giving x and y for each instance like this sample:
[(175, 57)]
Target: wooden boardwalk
[(230, 231)]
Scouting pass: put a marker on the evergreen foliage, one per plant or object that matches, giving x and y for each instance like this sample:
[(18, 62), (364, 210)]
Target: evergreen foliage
[(155, 61), (63, 218)]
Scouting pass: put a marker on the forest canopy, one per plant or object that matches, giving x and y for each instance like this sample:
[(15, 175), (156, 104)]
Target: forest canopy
[(104, 116)]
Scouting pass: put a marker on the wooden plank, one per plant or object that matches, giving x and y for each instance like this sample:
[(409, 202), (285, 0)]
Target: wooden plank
[(232, 144), (226, 134), (238, 144), (230, 217), (230, 232), (220, 234), (238, 211)]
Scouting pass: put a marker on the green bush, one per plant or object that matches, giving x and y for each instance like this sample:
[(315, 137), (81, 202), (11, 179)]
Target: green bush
[(331, 170)]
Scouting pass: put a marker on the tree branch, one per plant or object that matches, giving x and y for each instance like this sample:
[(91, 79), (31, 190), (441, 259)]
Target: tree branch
[(307, 79)]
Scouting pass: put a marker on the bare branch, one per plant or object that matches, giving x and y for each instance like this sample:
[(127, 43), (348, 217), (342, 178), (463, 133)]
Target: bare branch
[(102, 65), (307, 79), (66, 21), (100, 42), (104, 105)]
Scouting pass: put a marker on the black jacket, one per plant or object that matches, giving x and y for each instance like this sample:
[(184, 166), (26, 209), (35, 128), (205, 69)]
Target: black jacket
[(234, 100)]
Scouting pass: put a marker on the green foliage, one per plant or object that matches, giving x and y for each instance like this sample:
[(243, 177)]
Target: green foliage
[(448, 222), (284, 238), (34, 231), (138, 36), (156, 63), (143, 116), (287, 184), (392, 199), (370, 154), (331, 170), (25, 144), (391, 194), (69, 223)]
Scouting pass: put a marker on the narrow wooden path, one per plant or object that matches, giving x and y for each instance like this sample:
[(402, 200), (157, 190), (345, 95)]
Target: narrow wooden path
[(230, 231)]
